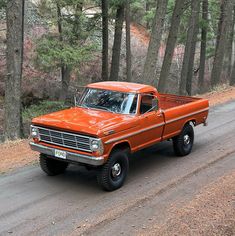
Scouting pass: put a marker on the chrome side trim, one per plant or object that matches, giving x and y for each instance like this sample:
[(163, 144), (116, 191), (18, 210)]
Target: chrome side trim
[(74, 157), (134, 133), (155, 126), (186, 116)]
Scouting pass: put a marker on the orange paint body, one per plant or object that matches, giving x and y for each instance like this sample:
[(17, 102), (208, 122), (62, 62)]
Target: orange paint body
[(138, 131)]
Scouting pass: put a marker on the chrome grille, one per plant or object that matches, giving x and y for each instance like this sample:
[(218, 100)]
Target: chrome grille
[(63, 139)]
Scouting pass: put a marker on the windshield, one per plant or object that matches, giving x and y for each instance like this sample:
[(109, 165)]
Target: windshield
[(111, 101)]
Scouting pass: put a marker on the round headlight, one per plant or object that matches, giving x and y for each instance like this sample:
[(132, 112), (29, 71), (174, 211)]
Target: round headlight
[(34, 132), (96, 146)]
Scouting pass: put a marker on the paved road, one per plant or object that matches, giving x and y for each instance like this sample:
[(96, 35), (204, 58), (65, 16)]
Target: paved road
[(34, 204)]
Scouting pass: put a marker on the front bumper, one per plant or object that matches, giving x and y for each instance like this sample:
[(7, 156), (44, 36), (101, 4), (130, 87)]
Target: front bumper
[(73, 157)]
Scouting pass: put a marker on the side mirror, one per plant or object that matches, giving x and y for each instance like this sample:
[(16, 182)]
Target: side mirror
[(155, 104)]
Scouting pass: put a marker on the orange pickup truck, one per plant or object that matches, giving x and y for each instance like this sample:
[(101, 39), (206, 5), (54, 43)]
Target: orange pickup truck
[(110, 121)]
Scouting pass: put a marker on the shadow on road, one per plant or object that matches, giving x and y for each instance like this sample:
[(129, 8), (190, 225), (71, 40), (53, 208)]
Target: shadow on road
[(141, 164)]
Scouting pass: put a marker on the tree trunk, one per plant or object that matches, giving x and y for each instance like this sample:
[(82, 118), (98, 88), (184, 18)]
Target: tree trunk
[(203, 45), (105, 40), (77, 21), (64, 70), (147, 8), (170, 46), (188, 62), (114, 74), (65, 75), (149, 72), (229, 44), (128, 42), (59, 21), (192, 57), (14, 56), (226, 8), (232, 79)]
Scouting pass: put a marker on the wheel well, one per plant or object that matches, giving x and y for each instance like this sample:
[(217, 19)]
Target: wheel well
[(191, 122), (121, 146)]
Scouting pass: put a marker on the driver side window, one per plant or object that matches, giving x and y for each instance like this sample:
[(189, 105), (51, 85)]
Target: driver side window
[(146, 103)]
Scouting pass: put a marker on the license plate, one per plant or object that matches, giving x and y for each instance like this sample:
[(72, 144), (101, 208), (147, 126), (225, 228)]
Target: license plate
[(60, 154)]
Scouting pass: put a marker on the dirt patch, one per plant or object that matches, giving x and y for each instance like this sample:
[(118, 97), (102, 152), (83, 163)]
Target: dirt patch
[(16, 154), (212, 212), (221, 95), (141, 33)]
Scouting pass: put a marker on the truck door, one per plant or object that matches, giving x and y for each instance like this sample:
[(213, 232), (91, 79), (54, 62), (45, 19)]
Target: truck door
[(151, 121)]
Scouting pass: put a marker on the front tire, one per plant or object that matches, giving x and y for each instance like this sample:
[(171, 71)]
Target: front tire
[(113, 173), (51, 166), (183, 143)]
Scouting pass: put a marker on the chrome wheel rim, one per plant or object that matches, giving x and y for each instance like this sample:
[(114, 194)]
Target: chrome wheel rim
[(187, 140), (116, 170)]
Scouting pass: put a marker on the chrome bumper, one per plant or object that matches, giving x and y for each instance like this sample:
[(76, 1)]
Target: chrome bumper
[(73, 157)]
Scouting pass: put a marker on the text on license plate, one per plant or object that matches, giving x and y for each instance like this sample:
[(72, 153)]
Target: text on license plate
[(60, 154)]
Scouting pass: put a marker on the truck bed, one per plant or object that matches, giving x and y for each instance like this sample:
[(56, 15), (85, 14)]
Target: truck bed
[(178, 110), (168, 101)]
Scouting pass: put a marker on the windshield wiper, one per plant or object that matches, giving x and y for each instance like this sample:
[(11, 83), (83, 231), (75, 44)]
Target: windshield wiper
[(98, 107), (84, 106), (107, 109)]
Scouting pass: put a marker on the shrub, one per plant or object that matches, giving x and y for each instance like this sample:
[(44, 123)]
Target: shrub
[(42, 108)]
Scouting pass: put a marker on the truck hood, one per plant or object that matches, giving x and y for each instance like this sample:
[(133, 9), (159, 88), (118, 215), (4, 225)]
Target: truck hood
[(88, 121)]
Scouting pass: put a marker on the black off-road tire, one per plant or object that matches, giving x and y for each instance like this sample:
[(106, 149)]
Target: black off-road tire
[(106, 174), (183, 143), (51, 166)]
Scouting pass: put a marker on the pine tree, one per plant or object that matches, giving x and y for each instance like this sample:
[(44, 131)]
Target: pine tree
[(115, 65), (14, 55), (189, 54), (171, 42), (149, 72)]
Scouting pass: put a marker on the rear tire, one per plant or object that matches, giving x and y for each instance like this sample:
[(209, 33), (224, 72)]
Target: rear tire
[(183, 143), (51, 166), (113, 173)]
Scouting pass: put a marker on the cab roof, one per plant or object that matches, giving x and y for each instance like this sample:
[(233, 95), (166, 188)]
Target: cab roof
[(123, 87)]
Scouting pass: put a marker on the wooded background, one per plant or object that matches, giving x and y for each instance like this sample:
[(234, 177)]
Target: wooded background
[(48, 48)]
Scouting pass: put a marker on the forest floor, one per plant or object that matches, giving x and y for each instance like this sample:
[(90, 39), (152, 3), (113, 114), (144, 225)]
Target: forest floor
[(211, 212), (18, 154)]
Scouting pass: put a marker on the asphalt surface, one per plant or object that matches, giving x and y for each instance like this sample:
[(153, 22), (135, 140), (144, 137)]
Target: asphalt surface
[(32, 203)]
